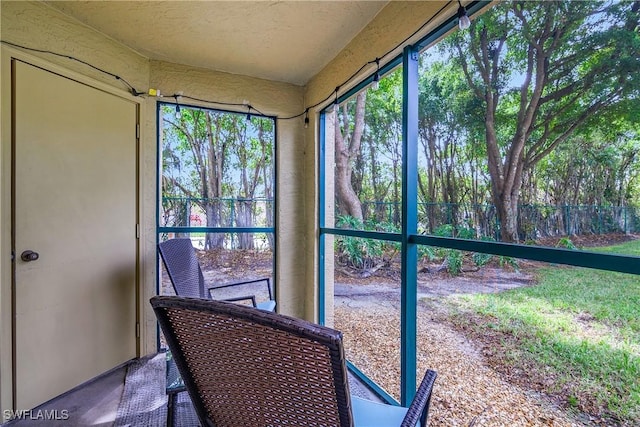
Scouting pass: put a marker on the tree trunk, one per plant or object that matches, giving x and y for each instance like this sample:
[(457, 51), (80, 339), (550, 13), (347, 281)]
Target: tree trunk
[(212, 211), (245, 219), (347, 146)]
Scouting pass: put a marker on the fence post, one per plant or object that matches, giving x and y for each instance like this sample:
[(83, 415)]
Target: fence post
[(232, 206), (188, 212), (600, 220), (390, 210)]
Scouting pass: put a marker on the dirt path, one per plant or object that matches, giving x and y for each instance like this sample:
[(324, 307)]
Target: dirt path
[(468, 392)]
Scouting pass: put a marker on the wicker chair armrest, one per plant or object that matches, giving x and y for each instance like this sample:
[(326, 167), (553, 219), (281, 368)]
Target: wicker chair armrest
[(251, 298), (419, 408), (246, 282)]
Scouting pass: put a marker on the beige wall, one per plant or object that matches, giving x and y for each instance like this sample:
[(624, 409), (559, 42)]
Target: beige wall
[(34, 24)]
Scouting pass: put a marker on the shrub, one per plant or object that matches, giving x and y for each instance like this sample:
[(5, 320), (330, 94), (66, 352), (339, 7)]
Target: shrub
[(481, 259), (454, 258), (357, 252), (566, 243)]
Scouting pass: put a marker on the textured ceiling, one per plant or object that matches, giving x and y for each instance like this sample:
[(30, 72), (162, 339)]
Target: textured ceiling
[(288, 41)]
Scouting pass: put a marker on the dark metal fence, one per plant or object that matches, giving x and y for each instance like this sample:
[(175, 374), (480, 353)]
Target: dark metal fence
[(534, 221), (216, 212), (253, 216)]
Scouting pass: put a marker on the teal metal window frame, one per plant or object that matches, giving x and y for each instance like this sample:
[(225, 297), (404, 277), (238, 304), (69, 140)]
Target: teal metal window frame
[(409, 237), (221, 230), (188, 229)]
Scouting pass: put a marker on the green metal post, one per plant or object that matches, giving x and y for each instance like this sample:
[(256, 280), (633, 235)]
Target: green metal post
[(322, 207), (409, 269)]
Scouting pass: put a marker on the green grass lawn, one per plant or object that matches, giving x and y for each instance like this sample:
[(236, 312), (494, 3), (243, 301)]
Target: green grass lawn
[(627, 248), (575, 335)]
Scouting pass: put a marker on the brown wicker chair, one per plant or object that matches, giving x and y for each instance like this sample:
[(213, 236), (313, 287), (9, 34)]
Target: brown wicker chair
[(245, 367), (184, 270)]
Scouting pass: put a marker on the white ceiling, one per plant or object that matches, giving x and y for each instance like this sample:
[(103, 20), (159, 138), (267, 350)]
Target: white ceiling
[(288, 41)]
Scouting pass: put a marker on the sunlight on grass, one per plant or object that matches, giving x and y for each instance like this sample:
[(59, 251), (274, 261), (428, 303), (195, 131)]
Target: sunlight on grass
[(631, 247), (582, 324)]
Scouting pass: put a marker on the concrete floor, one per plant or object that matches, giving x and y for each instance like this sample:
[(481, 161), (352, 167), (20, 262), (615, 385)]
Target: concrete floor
[(94, 403)]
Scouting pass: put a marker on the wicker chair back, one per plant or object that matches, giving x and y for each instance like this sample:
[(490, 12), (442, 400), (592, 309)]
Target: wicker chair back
[(183, 267), (246, 367)]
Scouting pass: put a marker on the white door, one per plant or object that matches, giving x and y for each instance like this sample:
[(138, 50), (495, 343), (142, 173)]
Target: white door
[(74, 195)]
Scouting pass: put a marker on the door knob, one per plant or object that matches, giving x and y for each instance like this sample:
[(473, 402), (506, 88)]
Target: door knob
[(28, 256)]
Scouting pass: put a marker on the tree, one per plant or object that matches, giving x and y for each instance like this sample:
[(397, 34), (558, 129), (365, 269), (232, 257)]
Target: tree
[(443, 138), (203, 138), (348, 139), (212, 156), (383, 132), (542, 71), (253, 152)]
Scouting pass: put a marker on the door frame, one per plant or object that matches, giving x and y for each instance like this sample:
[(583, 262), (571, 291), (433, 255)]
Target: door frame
[(7, 303)]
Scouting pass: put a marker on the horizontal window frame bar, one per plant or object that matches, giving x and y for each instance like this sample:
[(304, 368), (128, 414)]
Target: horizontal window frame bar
[(376, 235), (372, 385), (216, 230), (577, 258)]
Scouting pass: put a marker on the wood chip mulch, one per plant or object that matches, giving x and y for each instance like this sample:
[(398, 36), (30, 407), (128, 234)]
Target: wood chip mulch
[(467, 391)]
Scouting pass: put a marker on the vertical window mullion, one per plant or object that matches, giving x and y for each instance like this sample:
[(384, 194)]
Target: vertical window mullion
[(409, 225), (322, 198)]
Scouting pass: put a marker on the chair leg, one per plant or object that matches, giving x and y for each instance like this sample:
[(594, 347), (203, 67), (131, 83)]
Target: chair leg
[(171, 404)]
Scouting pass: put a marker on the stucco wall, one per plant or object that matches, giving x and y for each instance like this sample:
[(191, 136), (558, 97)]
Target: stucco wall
[(36, 25)]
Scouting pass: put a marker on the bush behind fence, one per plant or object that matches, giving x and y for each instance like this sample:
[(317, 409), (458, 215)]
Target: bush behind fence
[(218, 212), (534, 221)]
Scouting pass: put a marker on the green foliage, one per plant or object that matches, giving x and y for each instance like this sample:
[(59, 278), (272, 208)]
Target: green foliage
[(586, 96), (565, 242), (220, 167), (631, 247), (504, 261), (427, 252), (445, 230), (481, 259), (589, 105), (466, 233), (454, 259), (359, 253)]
